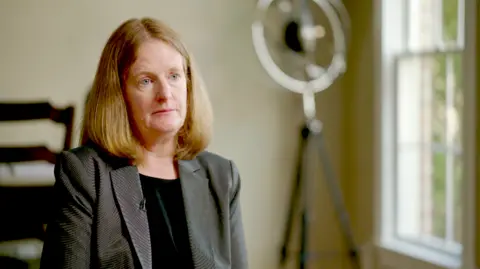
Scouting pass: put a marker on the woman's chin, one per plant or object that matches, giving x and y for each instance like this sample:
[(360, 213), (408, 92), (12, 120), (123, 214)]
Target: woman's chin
[(166, 129)]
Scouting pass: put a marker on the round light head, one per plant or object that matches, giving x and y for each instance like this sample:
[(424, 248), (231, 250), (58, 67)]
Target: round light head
[(315, 77)]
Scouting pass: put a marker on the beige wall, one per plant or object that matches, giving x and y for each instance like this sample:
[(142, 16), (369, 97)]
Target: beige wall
[(359, 118), (477, 220), (50, 49)]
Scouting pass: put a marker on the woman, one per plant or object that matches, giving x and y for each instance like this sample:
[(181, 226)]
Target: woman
[(142, 192)]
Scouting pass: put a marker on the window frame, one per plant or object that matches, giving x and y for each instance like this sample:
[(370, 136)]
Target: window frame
[(390, 251)]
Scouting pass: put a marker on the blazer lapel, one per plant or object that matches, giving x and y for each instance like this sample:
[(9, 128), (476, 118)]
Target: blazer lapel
[(198, 210), (128, 191)]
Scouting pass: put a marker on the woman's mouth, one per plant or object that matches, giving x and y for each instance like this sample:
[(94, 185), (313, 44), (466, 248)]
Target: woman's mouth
[(163, 111)]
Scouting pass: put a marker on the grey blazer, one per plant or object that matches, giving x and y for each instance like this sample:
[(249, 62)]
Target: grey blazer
[(100, 221)]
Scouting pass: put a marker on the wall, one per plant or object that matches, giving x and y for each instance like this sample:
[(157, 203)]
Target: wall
[(477, 138), (359, 117), (50, 50)]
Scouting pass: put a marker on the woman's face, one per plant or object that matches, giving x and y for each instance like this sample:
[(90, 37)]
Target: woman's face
[(156, 90)]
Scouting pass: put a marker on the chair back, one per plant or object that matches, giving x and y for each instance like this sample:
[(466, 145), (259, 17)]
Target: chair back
[(34, 111), (25, 209)]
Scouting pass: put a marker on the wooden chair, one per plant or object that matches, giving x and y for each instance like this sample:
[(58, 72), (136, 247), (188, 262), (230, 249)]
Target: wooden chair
[(12, 263), (34, 111), (25, 209)]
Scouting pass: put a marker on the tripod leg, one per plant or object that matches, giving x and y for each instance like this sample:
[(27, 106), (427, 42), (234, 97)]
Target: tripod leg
[(334, 188), (306, 207), (294, 198), (303, 256)]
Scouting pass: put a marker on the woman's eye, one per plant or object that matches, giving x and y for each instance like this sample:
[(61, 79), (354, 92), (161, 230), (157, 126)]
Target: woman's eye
[(175, 76), (145, 81)]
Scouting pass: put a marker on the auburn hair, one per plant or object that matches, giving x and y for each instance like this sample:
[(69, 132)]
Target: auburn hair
[(106, 121)]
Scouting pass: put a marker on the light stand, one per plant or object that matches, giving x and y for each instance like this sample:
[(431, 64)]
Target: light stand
[(311, 137), (300, 37)]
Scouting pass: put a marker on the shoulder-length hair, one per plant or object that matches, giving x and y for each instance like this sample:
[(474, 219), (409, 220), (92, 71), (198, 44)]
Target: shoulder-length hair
[(106, 121)]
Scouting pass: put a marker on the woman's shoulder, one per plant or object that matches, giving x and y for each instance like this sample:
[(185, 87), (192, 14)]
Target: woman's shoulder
[(88, 155), (83, 153), (209, 159), (223, 169)]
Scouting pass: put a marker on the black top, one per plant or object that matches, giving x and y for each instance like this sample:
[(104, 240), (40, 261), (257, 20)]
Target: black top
[(167, 222)]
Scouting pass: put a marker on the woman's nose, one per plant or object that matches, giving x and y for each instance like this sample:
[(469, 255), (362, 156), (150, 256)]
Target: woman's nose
[(163, 90)]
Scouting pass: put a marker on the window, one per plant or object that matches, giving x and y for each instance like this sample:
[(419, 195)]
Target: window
[(428, 144), (422, 148)]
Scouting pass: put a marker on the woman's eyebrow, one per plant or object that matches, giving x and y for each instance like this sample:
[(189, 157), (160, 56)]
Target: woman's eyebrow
[(176, 68), (140, 69), (145, 69)]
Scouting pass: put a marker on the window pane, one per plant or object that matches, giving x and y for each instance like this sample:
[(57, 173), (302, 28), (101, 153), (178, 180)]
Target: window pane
[(423, 24), (458, 100), (438, 99), (434, 24), (429, 143), (457, 147), (438, 195), (414, 135), (450, 20), (458, 170), (408, 193)]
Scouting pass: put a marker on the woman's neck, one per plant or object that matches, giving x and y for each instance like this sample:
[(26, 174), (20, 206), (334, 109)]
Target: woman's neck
[(158, 160), (160, 147), (165, 168)]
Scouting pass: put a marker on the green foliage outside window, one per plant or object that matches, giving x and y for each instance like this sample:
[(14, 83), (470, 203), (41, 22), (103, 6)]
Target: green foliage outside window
[(450, 25)]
